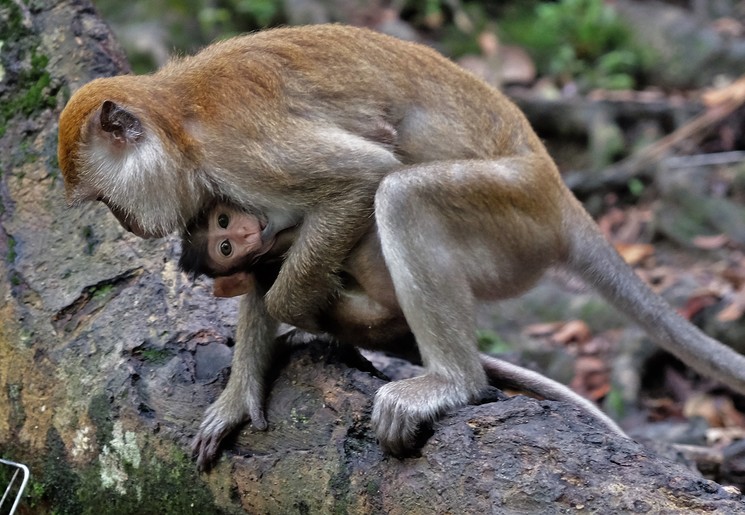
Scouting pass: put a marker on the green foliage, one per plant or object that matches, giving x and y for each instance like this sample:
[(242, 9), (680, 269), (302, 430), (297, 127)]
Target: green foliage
[(420, 11), (22, 69), (11, 255), (614, 403), (15, 279), (38, 80), (56, 478), (579, 40), (160, 485), (456, 42), (234, 16), (264, 12), (87, 233), (34, 494), (636, 187), (154, 356), (102, 291), (489, 341), (191, 25)]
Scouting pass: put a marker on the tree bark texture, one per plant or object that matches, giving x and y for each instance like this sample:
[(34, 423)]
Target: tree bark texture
[(109, 357)]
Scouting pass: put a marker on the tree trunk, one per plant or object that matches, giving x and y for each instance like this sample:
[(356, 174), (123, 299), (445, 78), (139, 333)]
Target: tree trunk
[(109, 357)]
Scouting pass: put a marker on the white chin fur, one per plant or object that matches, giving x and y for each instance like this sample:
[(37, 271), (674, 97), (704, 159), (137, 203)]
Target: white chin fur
[(150, 189)]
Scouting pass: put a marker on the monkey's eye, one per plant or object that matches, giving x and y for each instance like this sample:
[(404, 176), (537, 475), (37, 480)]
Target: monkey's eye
[(223, 221), (226, 249)]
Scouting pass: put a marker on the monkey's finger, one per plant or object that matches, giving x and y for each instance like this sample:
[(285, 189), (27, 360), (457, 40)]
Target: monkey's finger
[(389, 429), (206, 448), (393, 439), (204, 463), (207, 457), (206, 444), (258, 420)]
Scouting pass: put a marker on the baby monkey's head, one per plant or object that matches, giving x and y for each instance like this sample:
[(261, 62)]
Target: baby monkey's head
[(222, 240)]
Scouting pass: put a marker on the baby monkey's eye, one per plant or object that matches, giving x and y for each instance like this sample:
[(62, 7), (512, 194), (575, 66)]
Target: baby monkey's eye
[(226, 248), (223, 220)]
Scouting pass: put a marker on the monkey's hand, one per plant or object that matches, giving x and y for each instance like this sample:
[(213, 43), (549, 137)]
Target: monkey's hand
[(402, 408), (231, 410)]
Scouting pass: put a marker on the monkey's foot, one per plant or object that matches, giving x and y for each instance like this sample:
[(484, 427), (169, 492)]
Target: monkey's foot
[(221, 419), (401, 408)]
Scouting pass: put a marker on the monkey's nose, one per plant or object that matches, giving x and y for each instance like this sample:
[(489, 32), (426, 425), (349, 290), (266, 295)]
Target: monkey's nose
[(245, 233)]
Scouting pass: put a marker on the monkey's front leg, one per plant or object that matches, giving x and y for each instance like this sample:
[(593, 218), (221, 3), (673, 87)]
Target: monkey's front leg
[(244, 396), (309, 277)]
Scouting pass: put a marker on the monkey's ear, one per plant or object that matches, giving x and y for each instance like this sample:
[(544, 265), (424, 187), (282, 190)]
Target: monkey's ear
[(119, 123)]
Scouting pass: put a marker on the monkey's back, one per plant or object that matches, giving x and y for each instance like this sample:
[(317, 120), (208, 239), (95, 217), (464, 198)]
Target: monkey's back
[(351, 76)]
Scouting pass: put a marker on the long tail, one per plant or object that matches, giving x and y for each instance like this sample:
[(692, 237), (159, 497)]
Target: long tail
[(596, 261), (501, 373)]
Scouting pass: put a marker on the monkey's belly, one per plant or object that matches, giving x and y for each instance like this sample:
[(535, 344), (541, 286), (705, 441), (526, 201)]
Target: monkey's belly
[(357, 319)]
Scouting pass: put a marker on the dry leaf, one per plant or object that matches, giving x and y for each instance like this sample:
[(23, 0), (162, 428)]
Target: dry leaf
[(574, 331), (634, 253), (233, 285), (731, 313), (591, 377), (659, 278), (662, 408), (704, 406), (717, 410), (735, 309), (723, 436), (542, 329), (728, 27), (610, 220), (696, 304), (711, 242), (734, 92)]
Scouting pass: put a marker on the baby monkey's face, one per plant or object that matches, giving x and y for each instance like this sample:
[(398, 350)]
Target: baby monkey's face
[(233, 235)]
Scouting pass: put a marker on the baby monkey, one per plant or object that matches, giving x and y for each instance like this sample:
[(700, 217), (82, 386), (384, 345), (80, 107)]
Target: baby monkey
[(225, 243)]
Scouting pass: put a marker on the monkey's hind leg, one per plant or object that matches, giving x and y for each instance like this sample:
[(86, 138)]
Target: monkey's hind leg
[(439, 307), (451, 233)]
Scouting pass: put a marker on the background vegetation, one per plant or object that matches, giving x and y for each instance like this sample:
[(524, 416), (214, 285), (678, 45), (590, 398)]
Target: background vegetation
[(571, 40)]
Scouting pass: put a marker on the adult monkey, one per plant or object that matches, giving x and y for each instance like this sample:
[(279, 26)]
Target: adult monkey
[(296, 124)]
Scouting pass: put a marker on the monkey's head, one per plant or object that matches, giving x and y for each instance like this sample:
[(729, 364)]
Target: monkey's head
[(223, 240), (122, 144)]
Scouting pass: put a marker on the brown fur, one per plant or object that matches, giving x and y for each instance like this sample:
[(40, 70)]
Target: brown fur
[(324, 126)]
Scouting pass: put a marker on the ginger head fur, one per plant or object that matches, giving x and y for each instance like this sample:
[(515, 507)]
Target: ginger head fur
[(147, 174)]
